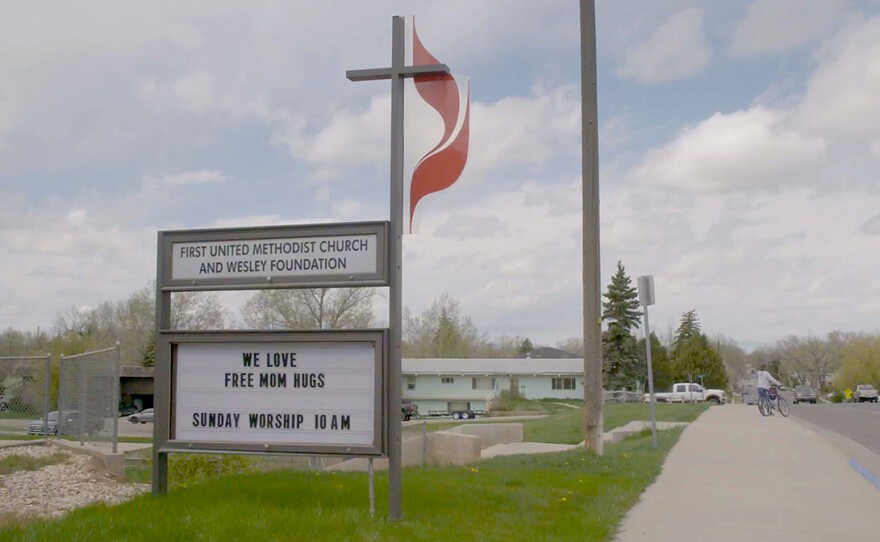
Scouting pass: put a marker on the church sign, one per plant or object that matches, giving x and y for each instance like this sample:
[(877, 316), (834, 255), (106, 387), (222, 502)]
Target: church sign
[(337, 255), (277, 392)]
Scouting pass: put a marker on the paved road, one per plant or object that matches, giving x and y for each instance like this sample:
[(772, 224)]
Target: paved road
[(857, 422)]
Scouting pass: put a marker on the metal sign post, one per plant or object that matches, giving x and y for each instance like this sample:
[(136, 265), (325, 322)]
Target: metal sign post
[(396, 73), (646, 297)]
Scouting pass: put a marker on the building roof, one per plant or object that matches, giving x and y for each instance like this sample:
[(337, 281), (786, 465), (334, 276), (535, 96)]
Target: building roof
[(544, 352), (493, 367)]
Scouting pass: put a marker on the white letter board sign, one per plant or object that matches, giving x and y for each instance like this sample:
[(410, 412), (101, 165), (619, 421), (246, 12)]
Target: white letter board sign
[(331, 255), (315, 392)]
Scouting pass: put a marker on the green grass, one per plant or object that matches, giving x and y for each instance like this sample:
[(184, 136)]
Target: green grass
[(529, 406), (16, 463), (566, 426), (550, 497)]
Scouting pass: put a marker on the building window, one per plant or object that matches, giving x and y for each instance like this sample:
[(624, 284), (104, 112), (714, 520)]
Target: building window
[(563, 384), (410, 382), (447, 380), (483, 383)]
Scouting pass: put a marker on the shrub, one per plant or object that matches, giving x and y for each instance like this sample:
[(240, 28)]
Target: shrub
[(186, 469)]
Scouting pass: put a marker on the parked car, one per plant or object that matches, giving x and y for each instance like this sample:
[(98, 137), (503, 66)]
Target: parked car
[(4, 403), (127, 410), (805, 394), (408, 411), (70, 424), (143, 416), (865, 393), (683, 392)]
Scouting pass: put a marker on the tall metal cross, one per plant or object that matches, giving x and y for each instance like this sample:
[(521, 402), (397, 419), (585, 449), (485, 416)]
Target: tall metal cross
[(396, 73)]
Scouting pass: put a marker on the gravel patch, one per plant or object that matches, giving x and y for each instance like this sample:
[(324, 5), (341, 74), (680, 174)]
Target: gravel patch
[(57, 489)]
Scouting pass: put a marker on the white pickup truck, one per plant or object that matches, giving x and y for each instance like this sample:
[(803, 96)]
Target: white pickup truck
[(683, 392), (865, 393)]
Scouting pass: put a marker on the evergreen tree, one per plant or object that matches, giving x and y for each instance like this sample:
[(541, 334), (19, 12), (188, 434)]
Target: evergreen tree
[(692, 355), (621, 307), (526, 346), (696, 357), (688, 328), (660, 363), (621, 364)]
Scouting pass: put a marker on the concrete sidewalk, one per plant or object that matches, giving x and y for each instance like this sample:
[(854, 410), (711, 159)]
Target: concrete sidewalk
[(735, 476)]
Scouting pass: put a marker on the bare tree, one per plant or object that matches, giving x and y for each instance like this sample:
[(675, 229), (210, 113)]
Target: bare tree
[(811, 358), (131, 322), (734, 358), (575, 345), (441, 331), (313, 308), (197, 310)]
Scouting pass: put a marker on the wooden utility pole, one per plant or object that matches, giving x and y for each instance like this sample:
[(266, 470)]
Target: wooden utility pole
[(593, 399)]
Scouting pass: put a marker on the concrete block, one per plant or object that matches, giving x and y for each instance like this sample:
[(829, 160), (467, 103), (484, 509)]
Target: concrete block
[(492, 433), (414, 452), (446, 448), (442, 448)]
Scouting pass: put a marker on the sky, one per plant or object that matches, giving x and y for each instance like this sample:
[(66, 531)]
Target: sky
[(739, 150)]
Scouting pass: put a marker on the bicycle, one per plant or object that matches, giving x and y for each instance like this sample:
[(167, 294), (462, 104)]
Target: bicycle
[(775, 402)]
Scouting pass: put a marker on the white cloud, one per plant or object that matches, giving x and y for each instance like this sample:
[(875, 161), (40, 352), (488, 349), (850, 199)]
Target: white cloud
[(57, 257), (775, 257), (776, 26), (513, 255), (522, 130), (195, 92), (871, 226), (77, 216), (7, 112), (203, 176), (349, 138), (739, 151), (511, 132), (842, 92), (678, 49)]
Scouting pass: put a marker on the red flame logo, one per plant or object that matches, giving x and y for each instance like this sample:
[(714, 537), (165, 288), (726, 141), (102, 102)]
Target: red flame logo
[(443, 165)]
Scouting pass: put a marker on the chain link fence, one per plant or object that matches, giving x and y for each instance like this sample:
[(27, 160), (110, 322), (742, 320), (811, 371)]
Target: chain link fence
[(24, 393), (88, 398)]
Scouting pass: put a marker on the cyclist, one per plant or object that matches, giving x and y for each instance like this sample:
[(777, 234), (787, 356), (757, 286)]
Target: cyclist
[(765, 379)]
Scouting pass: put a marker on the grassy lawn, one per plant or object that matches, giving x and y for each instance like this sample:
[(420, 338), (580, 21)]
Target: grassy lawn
[(15, 463), (550, 497), (566, 425), (530, 406)]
